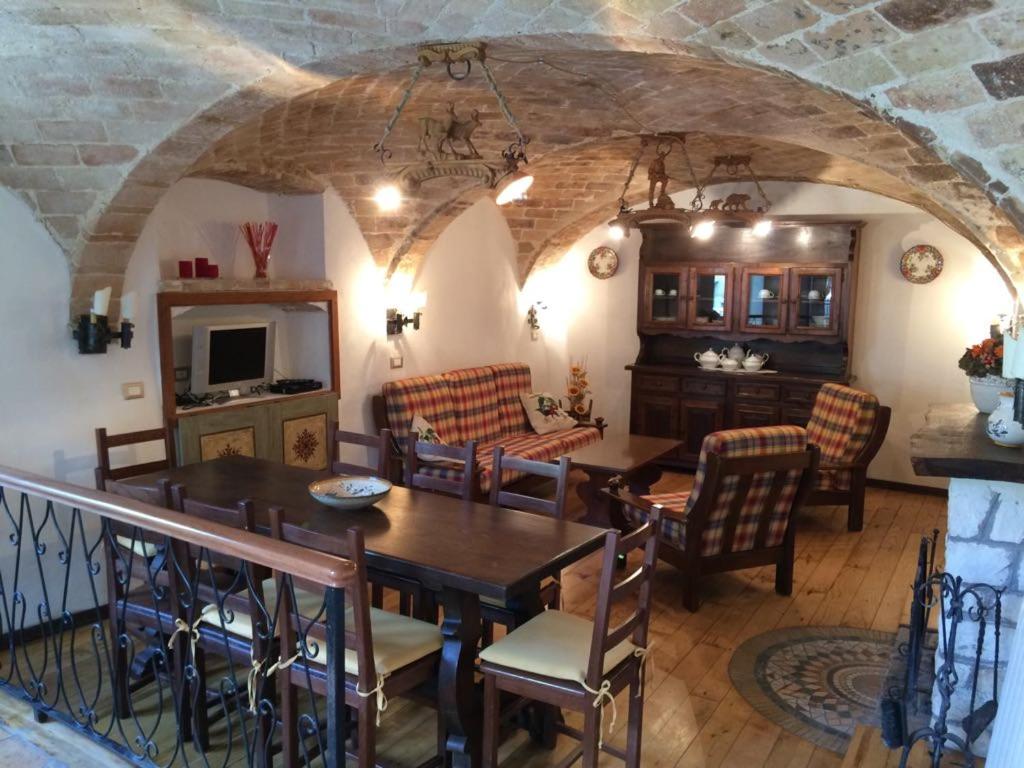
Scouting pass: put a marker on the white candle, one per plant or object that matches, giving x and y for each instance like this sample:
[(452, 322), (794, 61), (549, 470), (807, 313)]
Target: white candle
[(128, 306), (101, 301)]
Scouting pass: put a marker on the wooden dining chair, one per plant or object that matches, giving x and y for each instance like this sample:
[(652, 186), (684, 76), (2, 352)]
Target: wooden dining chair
[(749, 485), (386, 654), (380, 444), (141, 600), (233, 618), (496, 612), (105, 471), (452, 469), (566, 661), (849, 426)]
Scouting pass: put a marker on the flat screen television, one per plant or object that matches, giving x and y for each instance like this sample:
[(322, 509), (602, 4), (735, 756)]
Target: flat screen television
[(232, 356)]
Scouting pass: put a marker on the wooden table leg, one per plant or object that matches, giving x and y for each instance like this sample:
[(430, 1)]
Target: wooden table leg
[(594, 502), (641, 479), (457, 693)]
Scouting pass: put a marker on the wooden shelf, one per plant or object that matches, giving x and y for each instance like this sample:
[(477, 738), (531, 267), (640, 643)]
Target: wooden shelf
[(246, 401), (953, 443), (229, 284)]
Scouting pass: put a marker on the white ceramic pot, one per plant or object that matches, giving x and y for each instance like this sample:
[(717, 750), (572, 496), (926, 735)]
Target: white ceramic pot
[(985, 391), (1001, 428)]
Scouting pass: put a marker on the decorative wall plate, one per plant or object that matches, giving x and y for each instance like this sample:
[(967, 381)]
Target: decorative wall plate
[(603, 262), (921, 264)]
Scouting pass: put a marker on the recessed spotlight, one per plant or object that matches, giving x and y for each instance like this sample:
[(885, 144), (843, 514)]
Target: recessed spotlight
[(763, 227), (388, 198), (704, 230), (805, 236)]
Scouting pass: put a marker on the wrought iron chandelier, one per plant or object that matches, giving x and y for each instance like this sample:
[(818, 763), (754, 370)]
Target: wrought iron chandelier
[(733, 210), (445, 145)]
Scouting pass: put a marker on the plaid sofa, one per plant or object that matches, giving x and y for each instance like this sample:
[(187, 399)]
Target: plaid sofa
[(841, 424), (479, 404), (733, 443)]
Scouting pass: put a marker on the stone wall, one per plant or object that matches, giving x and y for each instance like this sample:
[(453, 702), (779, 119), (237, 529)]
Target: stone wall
[(985, 543)]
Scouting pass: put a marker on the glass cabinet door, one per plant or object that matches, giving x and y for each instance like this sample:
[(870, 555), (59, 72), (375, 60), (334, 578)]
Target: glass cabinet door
[(665, 297), (764, 298), (815, 301), (711, 300)]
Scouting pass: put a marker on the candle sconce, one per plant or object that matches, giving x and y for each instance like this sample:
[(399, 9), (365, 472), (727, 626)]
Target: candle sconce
[(93, 334), (397, 321)]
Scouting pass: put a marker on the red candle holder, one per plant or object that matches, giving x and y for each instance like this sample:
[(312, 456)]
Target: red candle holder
[(185, 269)]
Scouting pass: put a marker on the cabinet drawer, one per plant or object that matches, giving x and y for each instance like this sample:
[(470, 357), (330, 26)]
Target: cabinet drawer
[(650, 383), (796, 415), (745, 391), (801, 395), (704, 387)]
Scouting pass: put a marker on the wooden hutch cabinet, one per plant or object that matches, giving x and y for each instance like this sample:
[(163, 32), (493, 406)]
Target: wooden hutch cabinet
[(789, 294)]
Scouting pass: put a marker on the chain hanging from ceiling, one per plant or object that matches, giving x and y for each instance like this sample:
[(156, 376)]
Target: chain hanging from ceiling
[(445, 144), (734, 209)]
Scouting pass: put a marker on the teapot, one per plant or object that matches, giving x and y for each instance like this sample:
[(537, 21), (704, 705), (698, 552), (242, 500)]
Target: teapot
[(730, 364), (708, 359), (735, 352), (754, 361)]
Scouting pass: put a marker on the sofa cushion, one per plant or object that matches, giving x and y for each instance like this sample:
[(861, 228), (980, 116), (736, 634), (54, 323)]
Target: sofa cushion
[(528, 446), (475, 403), (511, 380), (545, 414), (426, 396)]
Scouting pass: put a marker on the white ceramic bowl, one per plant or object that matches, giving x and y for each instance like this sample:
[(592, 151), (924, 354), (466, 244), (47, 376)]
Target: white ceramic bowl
[(350, 491)]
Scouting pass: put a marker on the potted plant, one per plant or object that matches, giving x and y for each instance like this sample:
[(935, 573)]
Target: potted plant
[(577, 389), (983, 364)]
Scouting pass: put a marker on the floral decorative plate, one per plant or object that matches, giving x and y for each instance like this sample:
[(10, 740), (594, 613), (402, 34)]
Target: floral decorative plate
[(921, 264), (350, 491), (603, 262)]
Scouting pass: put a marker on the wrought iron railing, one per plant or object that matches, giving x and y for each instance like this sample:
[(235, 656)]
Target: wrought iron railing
[(124, 620)]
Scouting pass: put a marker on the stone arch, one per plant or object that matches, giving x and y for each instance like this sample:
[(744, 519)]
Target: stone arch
[(941, 72)]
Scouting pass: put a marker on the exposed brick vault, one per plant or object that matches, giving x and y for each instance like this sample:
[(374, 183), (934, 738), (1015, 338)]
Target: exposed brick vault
[(104, 105)]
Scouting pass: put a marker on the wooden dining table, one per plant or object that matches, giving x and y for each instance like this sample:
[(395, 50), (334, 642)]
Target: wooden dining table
[(461, 550)]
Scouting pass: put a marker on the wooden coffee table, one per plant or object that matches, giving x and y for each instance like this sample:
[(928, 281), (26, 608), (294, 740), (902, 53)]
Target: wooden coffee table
[(632, 457)]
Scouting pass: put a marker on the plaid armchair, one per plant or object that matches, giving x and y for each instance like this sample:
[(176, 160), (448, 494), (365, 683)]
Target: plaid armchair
[(749, 484), (848, 426)]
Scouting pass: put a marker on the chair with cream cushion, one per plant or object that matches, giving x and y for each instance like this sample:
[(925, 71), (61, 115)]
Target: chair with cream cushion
[(498, 612), (566, 661), (386, 654)]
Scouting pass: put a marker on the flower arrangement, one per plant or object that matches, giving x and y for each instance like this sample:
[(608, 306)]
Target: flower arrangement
[(984, 358), (577, 389)]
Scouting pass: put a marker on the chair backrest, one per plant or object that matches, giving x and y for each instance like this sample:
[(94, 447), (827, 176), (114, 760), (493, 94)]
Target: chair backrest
[(380, 443), (208, 568), (635, 587), (301, 631), (558, 472), (748, 484), (160, 495), (104, 442), (843, 422), (453, 472)]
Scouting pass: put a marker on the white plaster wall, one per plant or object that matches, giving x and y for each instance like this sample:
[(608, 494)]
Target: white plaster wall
[(907, 338)]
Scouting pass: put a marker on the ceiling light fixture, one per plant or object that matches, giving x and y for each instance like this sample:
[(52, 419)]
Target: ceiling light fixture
[(515, 190), (616, 232), (732, 210), (445, 145), (388, 198)]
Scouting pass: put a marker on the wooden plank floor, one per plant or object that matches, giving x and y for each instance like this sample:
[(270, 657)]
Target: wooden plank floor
[(694, 718)]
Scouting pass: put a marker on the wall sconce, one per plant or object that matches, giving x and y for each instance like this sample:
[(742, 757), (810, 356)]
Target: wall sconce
[(93, 332), (397, 321), (533, 318)]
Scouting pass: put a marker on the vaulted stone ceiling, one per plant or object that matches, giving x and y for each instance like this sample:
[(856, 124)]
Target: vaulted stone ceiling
[(578, 107), (104, 104)]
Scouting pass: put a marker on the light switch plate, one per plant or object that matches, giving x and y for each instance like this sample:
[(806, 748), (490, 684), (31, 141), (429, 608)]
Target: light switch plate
[(182, 373), (133, 390), (397, 361)]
